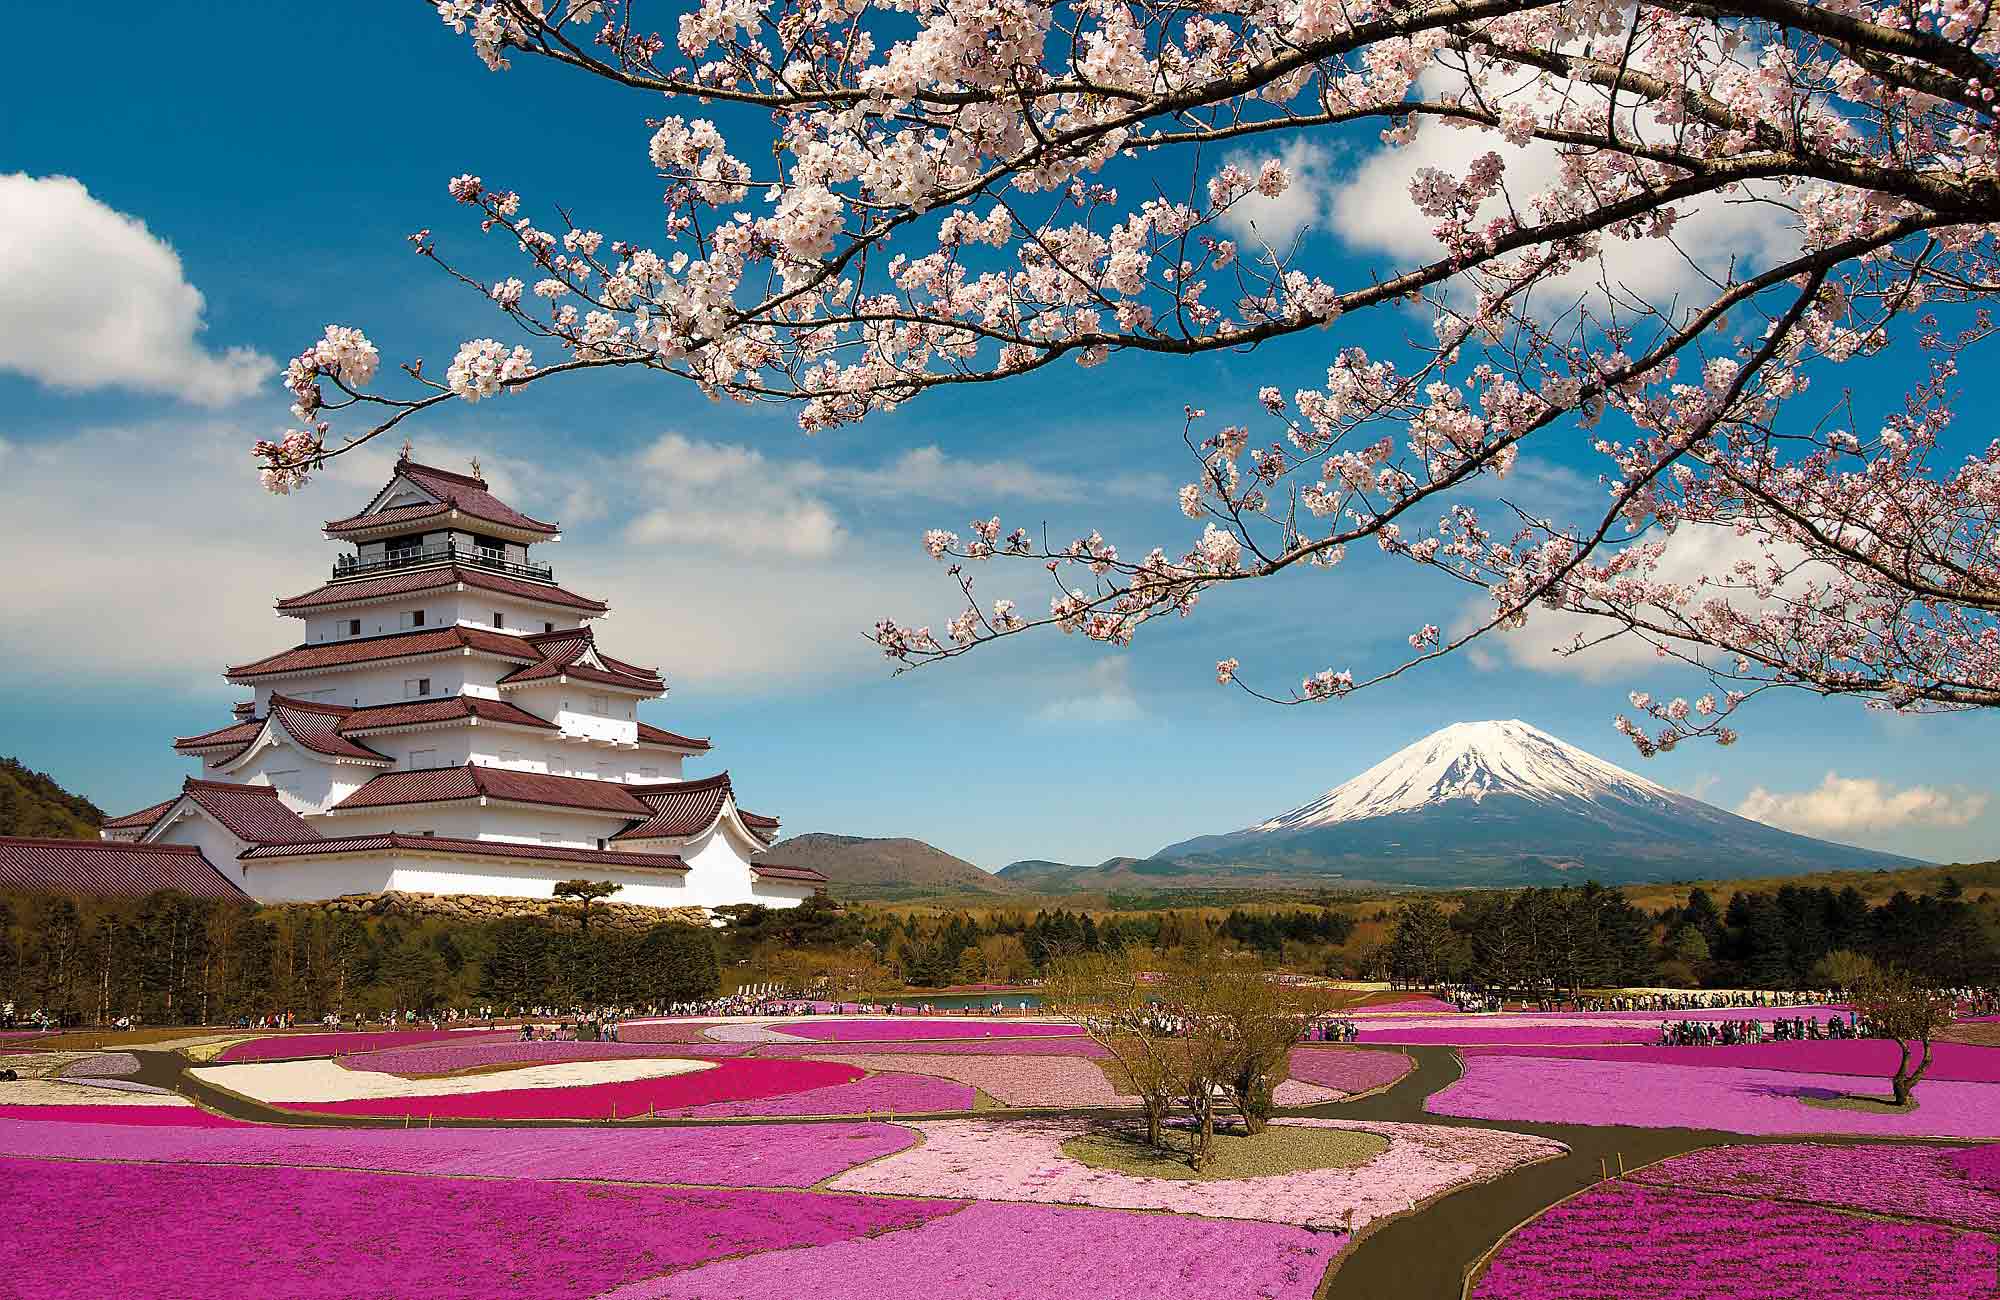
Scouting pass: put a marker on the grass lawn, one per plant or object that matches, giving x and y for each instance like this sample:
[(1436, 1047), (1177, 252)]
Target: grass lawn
[(1279, 1149)]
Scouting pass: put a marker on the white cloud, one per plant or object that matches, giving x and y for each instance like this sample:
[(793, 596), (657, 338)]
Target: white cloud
[(1371, 209), (1258, 220), (1843, 806), (727, 496), (1693, 552), (1102, 696), (95, 300)]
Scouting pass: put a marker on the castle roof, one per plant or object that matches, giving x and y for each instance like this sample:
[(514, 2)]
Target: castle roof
[(110, 868), (573, 653), (652, 735), (680, 809), (138, 821), (777, 872), (252, 813), (317, 655), (450, 493), (351, 591), (233, 737), (418, 713), (398, 843), (450, 784)]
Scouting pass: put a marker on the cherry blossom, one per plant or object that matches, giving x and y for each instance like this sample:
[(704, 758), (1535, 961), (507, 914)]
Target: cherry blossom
[(921, 195)]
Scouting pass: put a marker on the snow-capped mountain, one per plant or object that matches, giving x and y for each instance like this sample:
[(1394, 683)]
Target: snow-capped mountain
[(1504, 802)]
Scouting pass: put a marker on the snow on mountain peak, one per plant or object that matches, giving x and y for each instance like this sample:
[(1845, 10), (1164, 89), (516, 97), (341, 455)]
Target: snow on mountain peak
[(1472, 760)]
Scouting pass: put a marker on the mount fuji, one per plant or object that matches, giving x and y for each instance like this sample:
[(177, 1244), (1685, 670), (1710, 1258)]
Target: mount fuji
[(1491, 803)]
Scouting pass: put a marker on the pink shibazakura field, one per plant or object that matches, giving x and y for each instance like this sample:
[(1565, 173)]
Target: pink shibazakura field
[(890, 1091), (1023, 1160), (732, 1079), (782, 1155), (285, 1046), (1623, 1241), (1864, 1056), (443, 1058), (1040, 1081), (332, 1234), (902, 1030), (1011, 1252), (1347, 1069), (1955, 1186), (1543, 1089), (182, 1116)]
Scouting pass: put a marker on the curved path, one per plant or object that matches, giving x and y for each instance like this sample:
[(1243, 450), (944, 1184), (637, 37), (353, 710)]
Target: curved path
[(1425, 1255)]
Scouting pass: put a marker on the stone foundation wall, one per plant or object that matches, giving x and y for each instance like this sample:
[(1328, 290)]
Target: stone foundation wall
[(475, 908)]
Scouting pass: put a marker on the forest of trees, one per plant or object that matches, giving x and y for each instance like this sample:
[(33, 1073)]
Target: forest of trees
[(31, 803), (1793, 937), (170, 959)]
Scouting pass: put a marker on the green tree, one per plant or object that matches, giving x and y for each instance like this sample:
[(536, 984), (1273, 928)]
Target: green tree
[(585, 892), (1897, 1006)]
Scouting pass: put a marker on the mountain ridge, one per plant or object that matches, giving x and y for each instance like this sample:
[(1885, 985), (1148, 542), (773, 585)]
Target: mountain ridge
[(1505, 802), (885, 867)]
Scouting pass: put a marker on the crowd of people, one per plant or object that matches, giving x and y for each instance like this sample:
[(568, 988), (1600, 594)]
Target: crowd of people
[(1732, 1033), (1335, 1030)]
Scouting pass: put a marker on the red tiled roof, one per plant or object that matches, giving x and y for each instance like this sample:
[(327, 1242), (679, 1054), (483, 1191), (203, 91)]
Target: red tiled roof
[(394, 645), (107, 868), (777, 872), (139, 820), (396, 842), (764, 828), (652, 735), (236, 734), (396, 584), (562, 653), (318, 727), (445, 784), (253, 813), (462, 492), (418, 712), (677, 809)]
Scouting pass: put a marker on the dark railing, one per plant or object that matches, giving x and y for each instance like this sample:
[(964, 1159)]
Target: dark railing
[(348, 566)]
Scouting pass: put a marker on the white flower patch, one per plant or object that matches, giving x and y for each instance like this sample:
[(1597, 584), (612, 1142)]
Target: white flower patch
[(287, 1082)]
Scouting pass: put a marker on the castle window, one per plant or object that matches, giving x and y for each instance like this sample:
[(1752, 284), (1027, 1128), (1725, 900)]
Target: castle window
[(499, 619), (354, 627), (416, 687)]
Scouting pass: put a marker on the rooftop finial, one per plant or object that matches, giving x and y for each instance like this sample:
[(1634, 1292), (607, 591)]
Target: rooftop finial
[(475, 468), (407, 447)]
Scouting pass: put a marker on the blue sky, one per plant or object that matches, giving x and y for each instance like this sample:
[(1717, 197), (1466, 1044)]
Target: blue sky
[(284, 155)]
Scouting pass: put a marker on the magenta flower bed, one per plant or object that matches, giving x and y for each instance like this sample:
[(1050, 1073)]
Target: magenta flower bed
[(905, 1094), (1347, 1069), (889, 1031), (737, 1079), (1504, 1086), (442, 1058), (281, 1047), (1903, 1181), (1623, 1240), (1471, 1031), (1866, 1056), (1411, 1004), (773, 1155), (175, 1116), (322, 1234), (1010, 1252)]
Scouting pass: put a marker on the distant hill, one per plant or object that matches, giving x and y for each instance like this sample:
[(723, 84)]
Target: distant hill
[(884, 869), (33, 804), (1147, 875)]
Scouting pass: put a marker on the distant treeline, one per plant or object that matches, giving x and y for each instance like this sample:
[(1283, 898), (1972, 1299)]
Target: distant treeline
[(171, 959), (1794, 937)]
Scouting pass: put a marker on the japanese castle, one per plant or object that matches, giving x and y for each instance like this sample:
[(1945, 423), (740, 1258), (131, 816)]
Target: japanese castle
[(448, 724)]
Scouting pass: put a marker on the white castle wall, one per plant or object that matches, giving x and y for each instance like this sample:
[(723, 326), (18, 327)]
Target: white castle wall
[(305, 879)]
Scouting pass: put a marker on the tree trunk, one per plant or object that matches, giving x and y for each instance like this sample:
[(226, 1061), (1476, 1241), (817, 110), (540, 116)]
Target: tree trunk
[(1903, 1082)]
